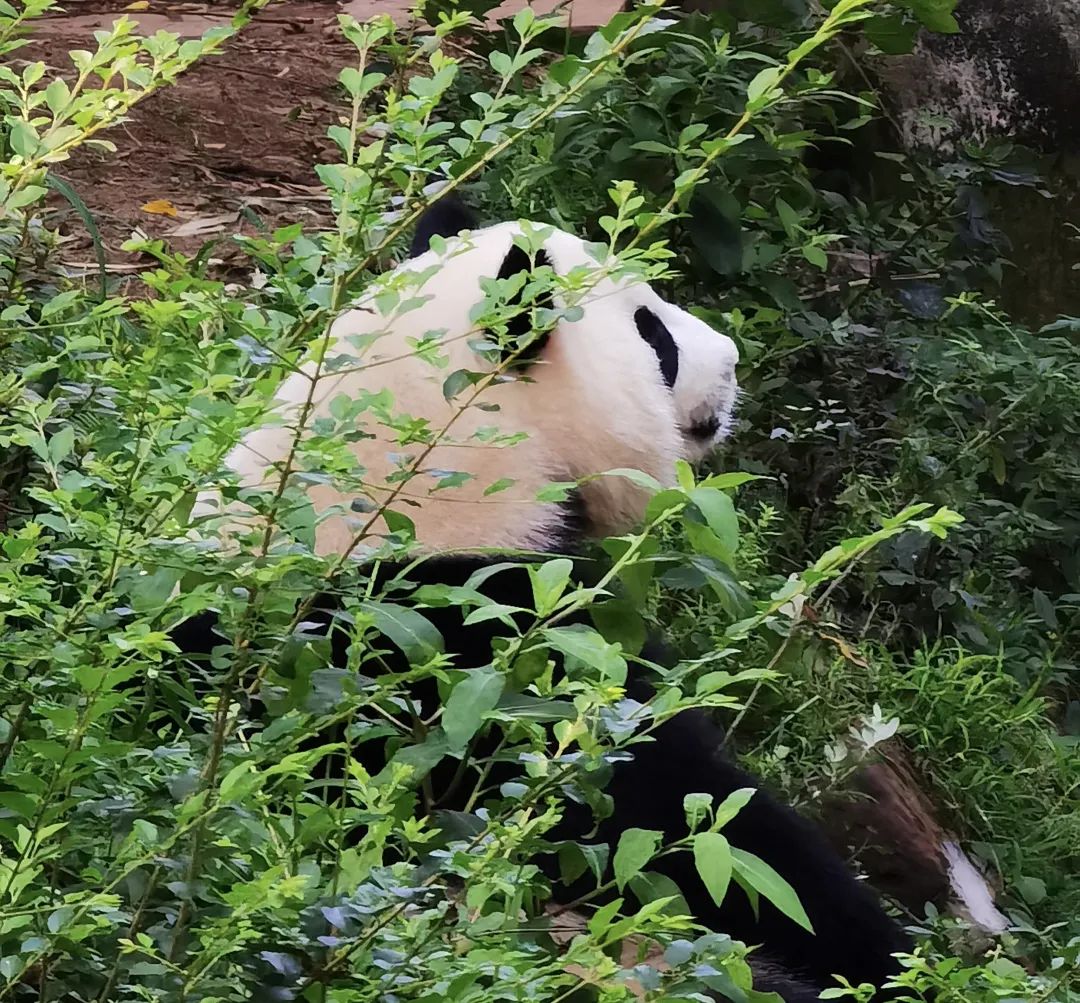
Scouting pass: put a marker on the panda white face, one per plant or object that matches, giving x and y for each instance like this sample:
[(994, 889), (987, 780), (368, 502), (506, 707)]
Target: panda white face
[(698, 365)]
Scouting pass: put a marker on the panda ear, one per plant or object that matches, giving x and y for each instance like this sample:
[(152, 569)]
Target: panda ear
[(445, 218), (519, 327), (655, 333)]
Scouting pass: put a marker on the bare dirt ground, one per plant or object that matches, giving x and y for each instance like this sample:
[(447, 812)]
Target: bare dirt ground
[(238, 134), (241, 129)]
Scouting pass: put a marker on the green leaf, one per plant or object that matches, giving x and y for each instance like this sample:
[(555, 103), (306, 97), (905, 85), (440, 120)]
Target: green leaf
[(684, 475), (549, 582), (651, 146), (601, 919), (414, 634), (1045, 608), (767, 882), (23, 139), (523, 22), (492, 611), (712, 858), (352, 80), (763, 83), (696, 807), (470, 701), (649, 886), (27, 195), (239, 782), (559, 492), (522, 707), (726, 481), (665, 502), (62, 444), (642, 480), (892, 34), (57, 95), (816, 256), (459, 380), (500, 485), (620, 622), (789, 218), (997, 465), (398, 523), (420, 758), (596, 857), (577, 858), (935, 14), (588, 647), (1033, 889), (636, 848), (732, 804), (563, 71), (718, 510)]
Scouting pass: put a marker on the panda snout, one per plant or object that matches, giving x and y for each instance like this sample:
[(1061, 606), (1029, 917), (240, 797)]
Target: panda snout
[(705, 430), (707, 425)]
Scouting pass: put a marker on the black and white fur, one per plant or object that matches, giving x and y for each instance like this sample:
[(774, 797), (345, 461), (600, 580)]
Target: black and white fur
[(633, 382), (619, 388)]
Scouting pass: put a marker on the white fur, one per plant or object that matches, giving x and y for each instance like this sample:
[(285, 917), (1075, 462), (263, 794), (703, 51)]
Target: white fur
[(594, 401)]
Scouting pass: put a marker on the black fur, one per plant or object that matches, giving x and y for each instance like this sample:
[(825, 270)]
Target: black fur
[(574, 525), (772, 977), (853, 936), (519, 327), (653, 330), (445, 218)]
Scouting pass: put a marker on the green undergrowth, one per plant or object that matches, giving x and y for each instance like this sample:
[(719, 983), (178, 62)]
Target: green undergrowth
[(990, 753)]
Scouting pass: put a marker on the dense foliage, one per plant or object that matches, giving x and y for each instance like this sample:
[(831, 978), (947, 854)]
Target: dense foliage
[(161, 838)]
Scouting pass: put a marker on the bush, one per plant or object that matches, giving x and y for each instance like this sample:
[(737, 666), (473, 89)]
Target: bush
[(160, 839)]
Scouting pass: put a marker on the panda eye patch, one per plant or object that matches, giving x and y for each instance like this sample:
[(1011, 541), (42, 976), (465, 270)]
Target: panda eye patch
[(658, 337)]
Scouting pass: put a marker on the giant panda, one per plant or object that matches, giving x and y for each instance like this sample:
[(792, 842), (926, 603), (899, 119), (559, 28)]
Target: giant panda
[(628, 381)]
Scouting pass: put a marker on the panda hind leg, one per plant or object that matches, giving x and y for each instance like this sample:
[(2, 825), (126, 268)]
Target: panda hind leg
[(772, 977), (853, 934)]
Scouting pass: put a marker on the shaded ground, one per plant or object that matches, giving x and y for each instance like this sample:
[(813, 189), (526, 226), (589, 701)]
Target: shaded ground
[(241, 129), (236, 135)]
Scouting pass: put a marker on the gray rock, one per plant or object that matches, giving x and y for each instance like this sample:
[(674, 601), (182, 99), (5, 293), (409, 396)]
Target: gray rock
[(1013, 70)]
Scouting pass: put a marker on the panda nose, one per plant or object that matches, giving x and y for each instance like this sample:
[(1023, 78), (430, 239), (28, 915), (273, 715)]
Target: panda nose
[(706, 429)]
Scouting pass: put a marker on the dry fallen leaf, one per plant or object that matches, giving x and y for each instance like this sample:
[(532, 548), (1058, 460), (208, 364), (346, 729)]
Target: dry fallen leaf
[(160, 207), (845, 649), (138, 5), (203, 224)]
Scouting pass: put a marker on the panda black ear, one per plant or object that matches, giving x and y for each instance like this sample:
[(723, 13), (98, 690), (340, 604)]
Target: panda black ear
[(445, 218), (519, 327), (655, 333)]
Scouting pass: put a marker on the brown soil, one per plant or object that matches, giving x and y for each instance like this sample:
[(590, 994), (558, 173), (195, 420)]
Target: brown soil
[(240, 131)]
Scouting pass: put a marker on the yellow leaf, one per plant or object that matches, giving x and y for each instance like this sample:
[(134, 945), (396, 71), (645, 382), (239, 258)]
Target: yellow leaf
[(160, 207), (138, 5), (845, 649)]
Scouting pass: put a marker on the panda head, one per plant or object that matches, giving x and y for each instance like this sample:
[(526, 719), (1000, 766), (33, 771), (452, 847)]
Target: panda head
[(623, 381)]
